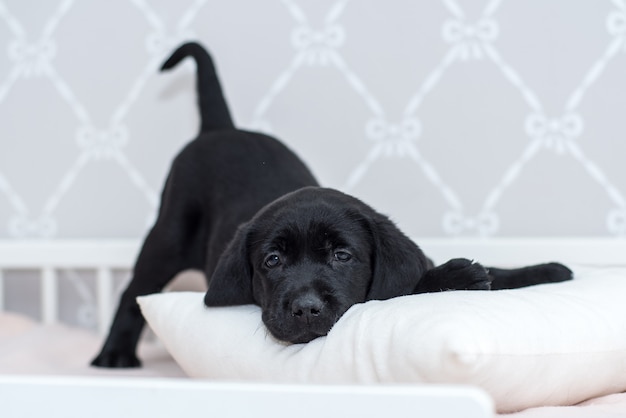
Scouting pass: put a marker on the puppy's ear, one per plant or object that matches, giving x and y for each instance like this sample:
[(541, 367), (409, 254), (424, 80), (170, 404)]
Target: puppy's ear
[(231, 282), (398, 263)]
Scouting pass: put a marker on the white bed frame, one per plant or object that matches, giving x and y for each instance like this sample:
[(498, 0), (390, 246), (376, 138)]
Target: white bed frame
[(105, 256), (186, 398), (115, 397)]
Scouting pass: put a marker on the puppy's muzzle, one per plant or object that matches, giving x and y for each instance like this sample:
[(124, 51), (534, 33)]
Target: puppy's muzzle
[(307, 308), (302, 315)]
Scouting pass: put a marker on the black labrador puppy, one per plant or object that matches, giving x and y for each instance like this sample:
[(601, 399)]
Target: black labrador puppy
[(246, 210)]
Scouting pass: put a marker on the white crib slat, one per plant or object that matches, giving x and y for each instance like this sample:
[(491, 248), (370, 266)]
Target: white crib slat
[(104, 296), (1, 290), (49, 295)]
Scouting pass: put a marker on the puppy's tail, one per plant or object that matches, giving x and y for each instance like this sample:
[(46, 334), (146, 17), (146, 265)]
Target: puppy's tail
[(214, 113)]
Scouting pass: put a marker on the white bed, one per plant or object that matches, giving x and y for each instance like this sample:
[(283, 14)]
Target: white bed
[(44, 359)]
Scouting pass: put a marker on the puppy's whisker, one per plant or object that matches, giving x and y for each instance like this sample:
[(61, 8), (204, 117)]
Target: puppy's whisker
[(261, 327)]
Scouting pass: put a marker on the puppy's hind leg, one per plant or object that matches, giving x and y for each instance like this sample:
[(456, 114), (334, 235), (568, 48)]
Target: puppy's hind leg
[(174, 244)]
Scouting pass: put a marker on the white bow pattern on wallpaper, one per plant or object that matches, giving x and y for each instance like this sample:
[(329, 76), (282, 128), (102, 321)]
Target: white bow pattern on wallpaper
[(315, 43)]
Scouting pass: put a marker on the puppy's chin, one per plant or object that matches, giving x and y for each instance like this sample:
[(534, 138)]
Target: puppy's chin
[(302, 338), (296, 333), (305, 338)]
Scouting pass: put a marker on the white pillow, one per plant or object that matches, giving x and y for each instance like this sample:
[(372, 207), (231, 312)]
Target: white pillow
[(555, 344)]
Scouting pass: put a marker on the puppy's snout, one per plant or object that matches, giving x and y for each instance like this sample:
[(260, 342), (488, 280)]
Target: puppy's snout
[(307, 307)]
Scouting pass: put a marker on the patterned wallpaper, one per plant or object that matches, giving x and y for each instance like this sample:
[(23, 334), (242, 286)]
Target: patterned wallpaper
[(456, 118)]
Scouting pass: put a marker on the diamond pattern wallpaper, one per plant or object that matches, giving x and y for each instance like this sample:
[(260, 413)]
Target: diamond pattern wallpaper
[(455, 118)]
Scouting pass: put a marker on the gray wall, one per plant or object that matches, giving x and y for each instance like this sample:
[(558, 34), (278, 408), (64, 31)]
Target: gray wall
[(497, 118)]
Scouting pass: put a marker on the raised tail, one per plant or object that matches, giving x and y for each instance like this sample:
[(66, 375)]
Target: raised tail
[(214, 113)]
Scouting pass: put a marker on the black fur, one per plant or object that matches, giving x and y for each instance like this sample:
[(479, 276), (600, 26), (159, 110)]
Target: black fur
[(244, 209)]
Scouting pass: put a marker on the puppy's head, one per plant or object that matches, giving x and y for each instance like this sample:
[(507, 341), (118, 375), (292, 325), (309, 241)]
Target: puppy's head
[(310, 255)]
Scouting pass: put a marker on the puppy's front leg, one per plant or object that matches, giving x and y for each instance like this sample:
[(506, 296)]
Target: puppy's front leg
[(528, 276), (456, 274)]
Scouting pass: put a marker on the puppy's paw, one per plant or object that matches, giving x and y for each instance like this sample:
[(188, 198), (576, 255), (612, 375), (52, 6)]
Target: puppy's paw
[(456, 274), (116, 360), (464, 274), (553, 273)]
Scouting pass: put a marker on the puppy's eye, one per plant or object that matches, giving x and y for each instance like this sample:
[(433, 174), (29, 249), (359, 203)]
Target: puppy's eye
[(342, 256), (273, 260)]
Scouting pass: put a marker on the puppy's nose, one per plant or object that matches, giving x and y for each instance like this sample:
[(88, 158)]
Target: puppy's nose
[(307, 307)]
